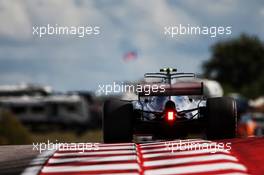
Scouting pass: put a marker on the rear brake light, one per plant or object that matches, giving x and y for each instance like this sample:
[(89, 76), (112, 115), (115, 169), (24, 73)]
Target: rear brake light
[(170, 115)]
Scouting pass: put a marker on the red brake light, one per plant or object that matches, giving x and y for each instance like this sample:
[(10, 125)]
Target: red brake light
[(170, 115)]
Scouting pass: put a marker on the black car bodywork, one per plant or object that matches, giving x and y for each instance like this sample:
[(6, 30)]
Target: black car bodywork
[(217, 117)]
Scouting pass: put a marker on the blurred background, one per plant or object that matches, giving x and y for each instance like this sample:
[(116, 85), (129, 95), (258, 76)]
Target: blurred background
[(48, 85)]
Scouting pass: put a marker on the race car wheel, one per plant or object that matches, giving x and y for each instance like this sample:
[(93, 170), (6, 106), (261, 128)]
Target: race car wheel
[(221, 118), (117, 121)]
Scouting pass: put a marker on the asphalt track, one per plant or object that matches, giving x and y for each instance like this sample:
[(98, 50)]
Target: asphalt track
[(245, 157), (14, 159)]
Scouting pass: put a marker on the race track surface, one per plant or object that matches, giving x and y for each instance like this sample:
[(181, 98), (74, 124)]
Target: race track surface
[(157, 158), (14, 159)]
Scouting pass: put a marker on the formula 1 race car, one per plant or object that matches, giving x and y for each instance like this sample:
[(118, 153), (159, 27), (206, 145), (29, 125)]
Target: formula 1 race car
[(173, 109)]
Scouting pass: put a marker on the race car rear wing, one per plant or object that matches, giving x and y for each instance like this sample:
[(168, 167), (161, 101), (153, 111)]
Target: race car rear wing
[(177, 89)]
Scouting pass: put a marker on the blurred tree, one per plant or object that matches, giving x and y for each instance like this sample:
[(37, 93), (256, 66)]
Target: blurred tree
[(12, 132), (238, 64)]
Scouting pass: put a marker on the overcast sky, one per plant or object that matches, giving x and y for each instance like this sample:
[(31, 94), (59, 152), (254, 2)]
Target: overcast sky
[(72, 63)]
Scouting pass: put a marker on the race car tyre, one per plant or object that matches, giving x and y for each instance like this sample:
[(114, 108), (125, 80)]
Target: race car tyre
[(117, 121), (221, 118)]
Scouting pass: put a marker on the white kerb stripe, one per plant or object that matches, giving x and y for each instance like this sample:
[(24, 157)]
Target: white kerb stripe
[(73, 149), (37, 163), (183, 148), (197, 169), (174, 143), (56, 169), (190, 160), (92, 159), (234, 174), (116, 144), (183, 153), (125, 174), (95, 153)]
